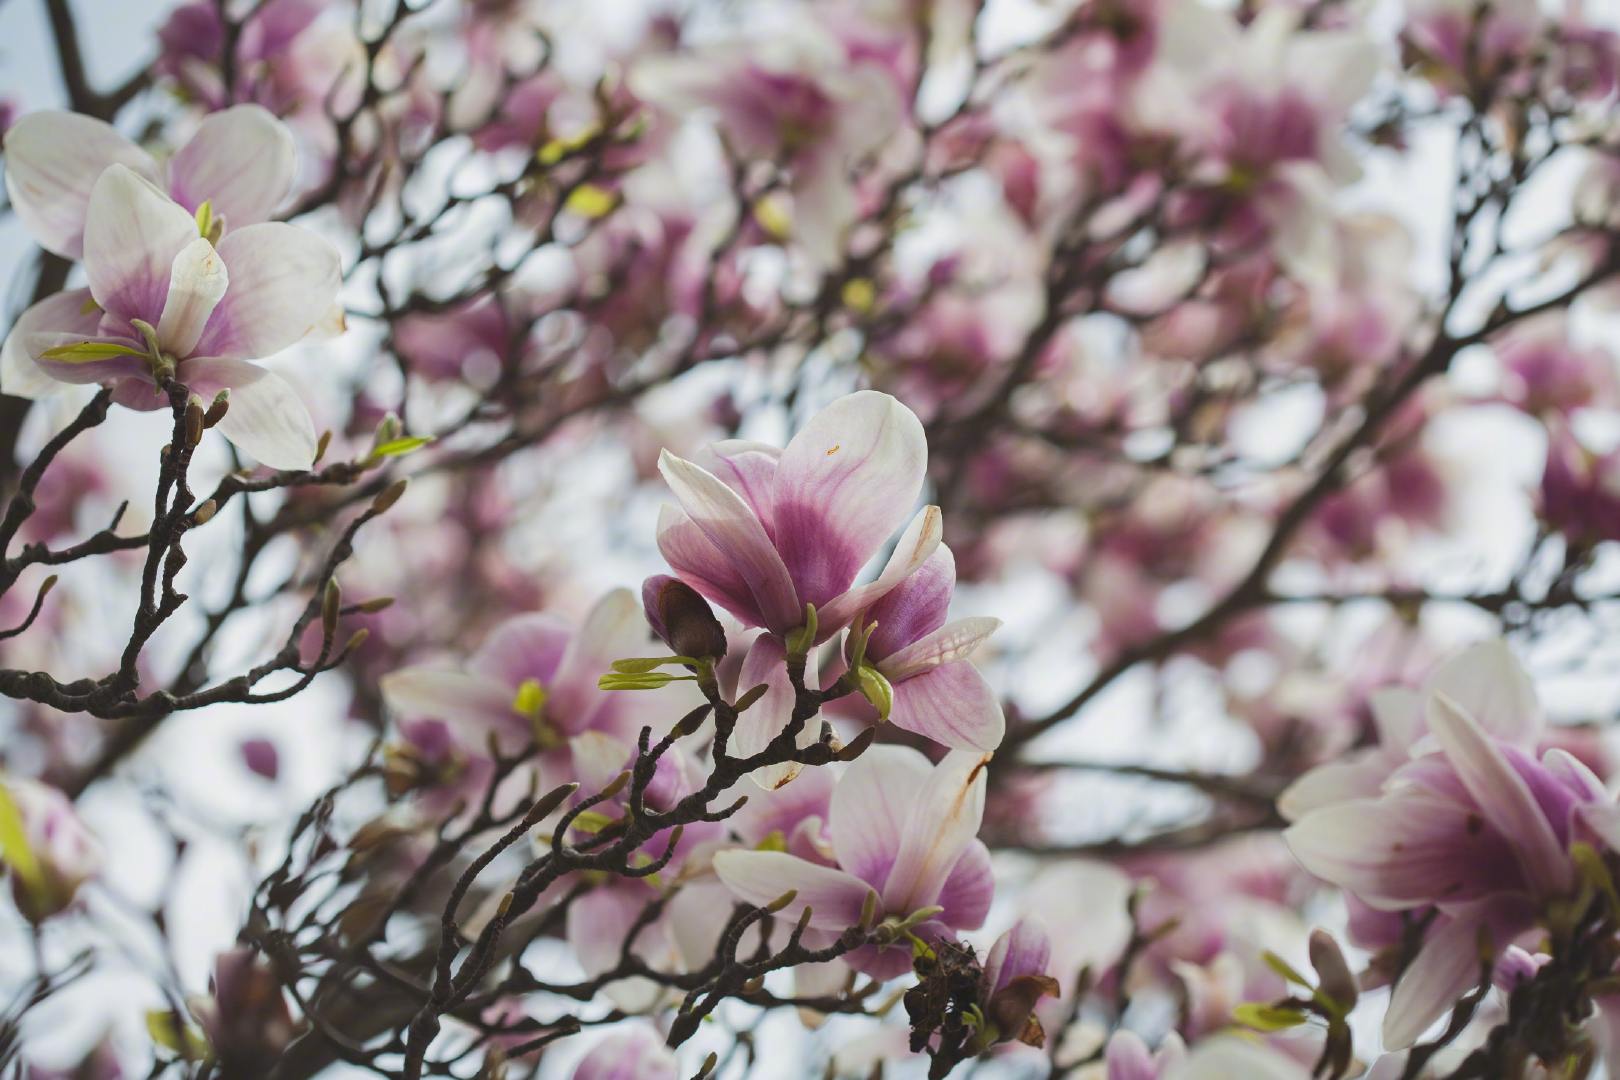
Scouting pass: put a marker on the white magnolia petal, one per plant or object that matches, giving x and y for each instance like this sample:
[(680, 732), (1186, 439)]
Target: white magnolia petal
[(738, 534), (920, 540), (197, 281), (951, 642), (759, 877), (283, 282), (72, 313), (53, 160), (869, 808), (1442, 971), (845, 483), (241, 161), (766, 663), (445, 694), (1487, 682), (1503, 796), (943, 821), (132, 234), (266, 418), (952, 705)]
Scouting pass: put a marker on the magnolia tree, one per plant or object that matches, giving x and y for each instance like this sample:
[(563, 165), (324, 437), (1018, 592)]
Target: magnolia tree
[(654, 540)]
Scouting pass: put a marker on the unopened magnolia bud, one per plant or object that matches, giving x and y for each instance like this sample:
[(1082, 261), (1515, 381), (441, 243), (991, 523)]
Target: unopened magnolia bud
[(682, 618), (782, 901), (331, 604), (217, 409), (194, 420), (1333, 973), (374, 605), (356, 639), (320, 446), (389, 496), (617, 786)]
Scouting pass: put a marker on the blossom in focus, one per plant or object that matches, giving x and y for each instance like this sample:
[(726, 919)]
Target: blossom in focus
[(763, 532), (937, 692), (241, 162), (45, 848), (166, 302), (1472, 826), (904, 835)]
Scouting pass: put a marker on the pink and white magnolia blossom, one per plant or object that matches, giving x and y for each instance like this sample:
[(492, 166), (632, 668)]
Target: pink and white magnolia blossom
[(803, 98), (58, 853), (632, 1051), (533, 678), (241, 161), (763, 532), (1466, 824), (166, 301), (904, 836), (937, 692)]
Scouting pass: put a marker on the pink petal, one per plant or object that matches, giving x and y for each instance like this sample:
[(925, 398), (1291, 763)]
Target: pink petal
[(523, 647), (62, 313), (197, 281), (1448, 965), (1502, 795), (766, 663), (599, 924), (242, 161), (845, 483), (284, 281), (914, 608), (53, 160), (968, 890), (870, 806), (1487, 682), (700, 564), (266, 418), (759, 877), (1360, 776), (633, 1052), (951, 705), (1403, 850), (1025, 949), (740, 538), (749, 469), (913, 550), (613, 630), (942, 823), (132, 234), (950, 643), (469, 703)]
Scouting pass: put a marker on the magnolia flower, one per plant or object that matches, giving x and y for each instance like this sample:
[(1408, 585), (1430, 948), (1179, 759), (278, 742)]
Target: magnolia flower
[(166, 302), (763, 532), (936, 692), (52, 853), (240, 163), (632, 1052), (1218, 1058), (903, 832), (534, 677), (799, 98), (1472, 826), (246, 1019), (1015, 979)]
